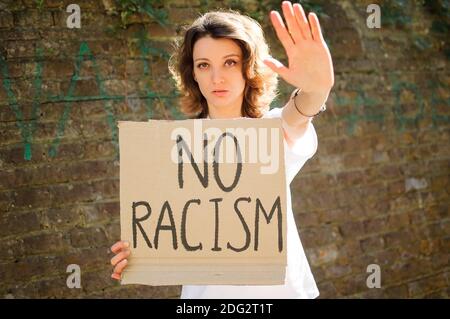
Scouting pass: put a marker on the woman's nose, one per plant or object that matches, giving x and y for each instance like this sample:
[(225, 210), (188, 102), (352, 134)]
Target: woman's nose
[(217, 76)]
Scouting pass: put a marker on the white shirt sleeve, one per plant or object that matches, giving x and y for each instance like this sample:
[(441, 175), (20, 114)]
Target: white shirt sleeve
[(303, 148)]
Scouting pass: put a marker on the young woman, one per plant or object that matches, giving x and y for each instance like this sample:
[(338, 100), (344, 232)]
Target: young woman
[(223, 70)]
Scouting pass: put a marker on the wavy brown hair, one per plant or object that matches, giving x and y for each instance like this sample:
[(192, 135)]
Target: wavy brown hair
[(261, 81)]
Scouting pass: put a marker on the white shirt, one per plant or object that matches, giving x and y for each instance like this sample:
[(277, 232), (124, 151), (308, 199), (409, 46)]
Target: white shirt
[(299, 281)]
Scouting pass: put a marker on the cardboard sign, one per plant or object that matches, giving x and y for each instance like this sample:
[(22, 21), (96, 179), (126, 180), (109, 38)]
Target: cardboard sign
[(203, 201)]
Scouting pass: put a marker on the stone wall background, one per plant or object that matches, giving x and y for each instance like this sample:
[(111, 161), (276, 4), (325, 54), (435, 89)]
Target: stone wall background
[(376, 192)]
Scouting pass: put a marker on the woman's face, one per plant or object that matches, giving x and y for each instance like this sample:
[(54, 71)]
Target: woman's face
[(218, 72)]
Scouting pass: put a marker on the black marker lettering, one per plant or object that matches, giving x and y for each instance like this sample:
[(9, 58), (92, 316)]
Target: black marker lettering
[(183, 227), (246, 229), (203, 178), (137, 222), (171, 227), (216, 229), (276, 205), (216, 164)]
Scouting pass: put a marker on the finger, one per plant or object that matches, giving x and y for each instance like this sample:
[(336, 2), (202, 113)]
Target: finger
[(120, 266), (119, 246), (293, 27), (115, 276), (275, 65), (315, 27), (281, 30), (302, 21), (122, 255)]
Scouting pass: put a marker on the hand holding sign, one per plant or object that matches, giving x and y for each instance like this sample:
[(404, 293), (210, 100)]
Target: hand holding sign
[(119, 261)]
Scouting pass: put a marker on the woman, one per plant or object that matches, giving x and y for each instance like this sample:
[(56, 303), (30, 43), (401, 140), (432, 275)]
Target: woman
[(224, 70)]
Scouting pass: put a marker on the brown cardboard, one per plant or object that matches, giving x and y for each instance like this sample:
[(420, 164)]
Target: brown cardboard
[(150, 172)]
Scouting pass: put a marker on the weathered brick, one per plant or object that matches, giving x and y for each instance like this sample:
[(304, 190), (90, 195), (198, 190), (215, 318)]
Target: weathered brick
[(400, 220), (78, 171), (16, 223), (396, 292), (439, 260), (28, 268), (113, 232), (322, 200), (439, 294), (396, 187), (375, 225), (352, 229), (336, 271), (372, 243), (350, 178), (351, 284), (101, 212), (334, 216), (26, 198), (327, 290), (349, 248), (62, 218), (407, 268), (55, 287), (87, 258), (373, 293), (6, 19), (322, 255), (97, 280), (45, 243), (427, 285), (88, 237), (182, 15), (397, 238), (306, 219), (317, 236)]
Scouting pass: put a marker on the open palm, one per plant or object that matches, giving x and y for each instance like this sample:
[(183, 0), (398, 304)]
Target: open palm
[(310, 64)]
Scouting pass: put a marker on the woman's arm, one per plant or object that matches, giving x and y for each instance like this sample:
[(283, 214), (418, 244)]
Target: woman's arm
[(310, 66), (295, 124)]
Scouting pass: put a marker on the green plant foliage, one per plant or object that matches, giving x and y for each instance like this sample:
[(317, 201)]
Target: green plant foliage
[(153, 8), (263, 7), (39, 4)]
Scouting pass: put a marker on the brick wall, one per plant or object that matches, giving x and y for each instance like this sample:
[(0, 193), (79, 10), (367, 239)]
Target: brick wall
[(376, 192)]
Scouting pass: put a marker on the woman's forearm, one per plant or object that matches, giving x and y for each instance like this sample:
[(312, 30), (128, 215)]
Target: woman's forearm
[(309, 103)]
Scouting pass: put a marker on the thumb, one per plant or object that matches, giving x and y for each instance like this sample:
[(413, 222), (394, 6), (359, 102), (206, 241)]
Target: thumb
[(275, 65)]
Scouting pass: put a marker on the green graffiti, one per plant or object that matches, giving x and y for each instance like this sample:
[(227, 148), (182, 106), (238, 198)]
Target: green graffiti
[(435, 101), (128, 8), (26, 130), (84, 51), (146, 52), (84, 54), (394, 13), (398, 87), (366, 110)]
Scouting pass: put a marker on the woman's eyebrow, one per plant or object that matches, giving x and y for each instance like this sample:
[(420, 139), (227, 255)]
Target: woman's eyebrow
[(226, 56)]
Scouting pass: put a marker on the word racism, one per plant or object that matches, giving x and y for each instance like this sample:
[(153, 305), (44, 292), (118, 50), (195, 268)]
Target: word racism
[(269, 212)]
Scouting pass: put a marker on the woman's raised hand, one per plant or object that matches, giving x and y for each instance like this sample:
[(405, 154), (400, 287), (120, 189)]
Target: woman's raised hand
[(310, 64)]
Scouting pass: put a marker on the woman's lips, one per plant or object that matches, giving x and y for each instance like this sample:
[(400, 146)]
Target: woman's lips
[(220, 92)]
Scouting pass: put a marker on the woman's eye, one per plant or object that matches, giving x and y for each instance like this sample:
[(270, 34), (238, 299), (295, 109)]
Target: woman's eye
[(232, 62), (228, 63)]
